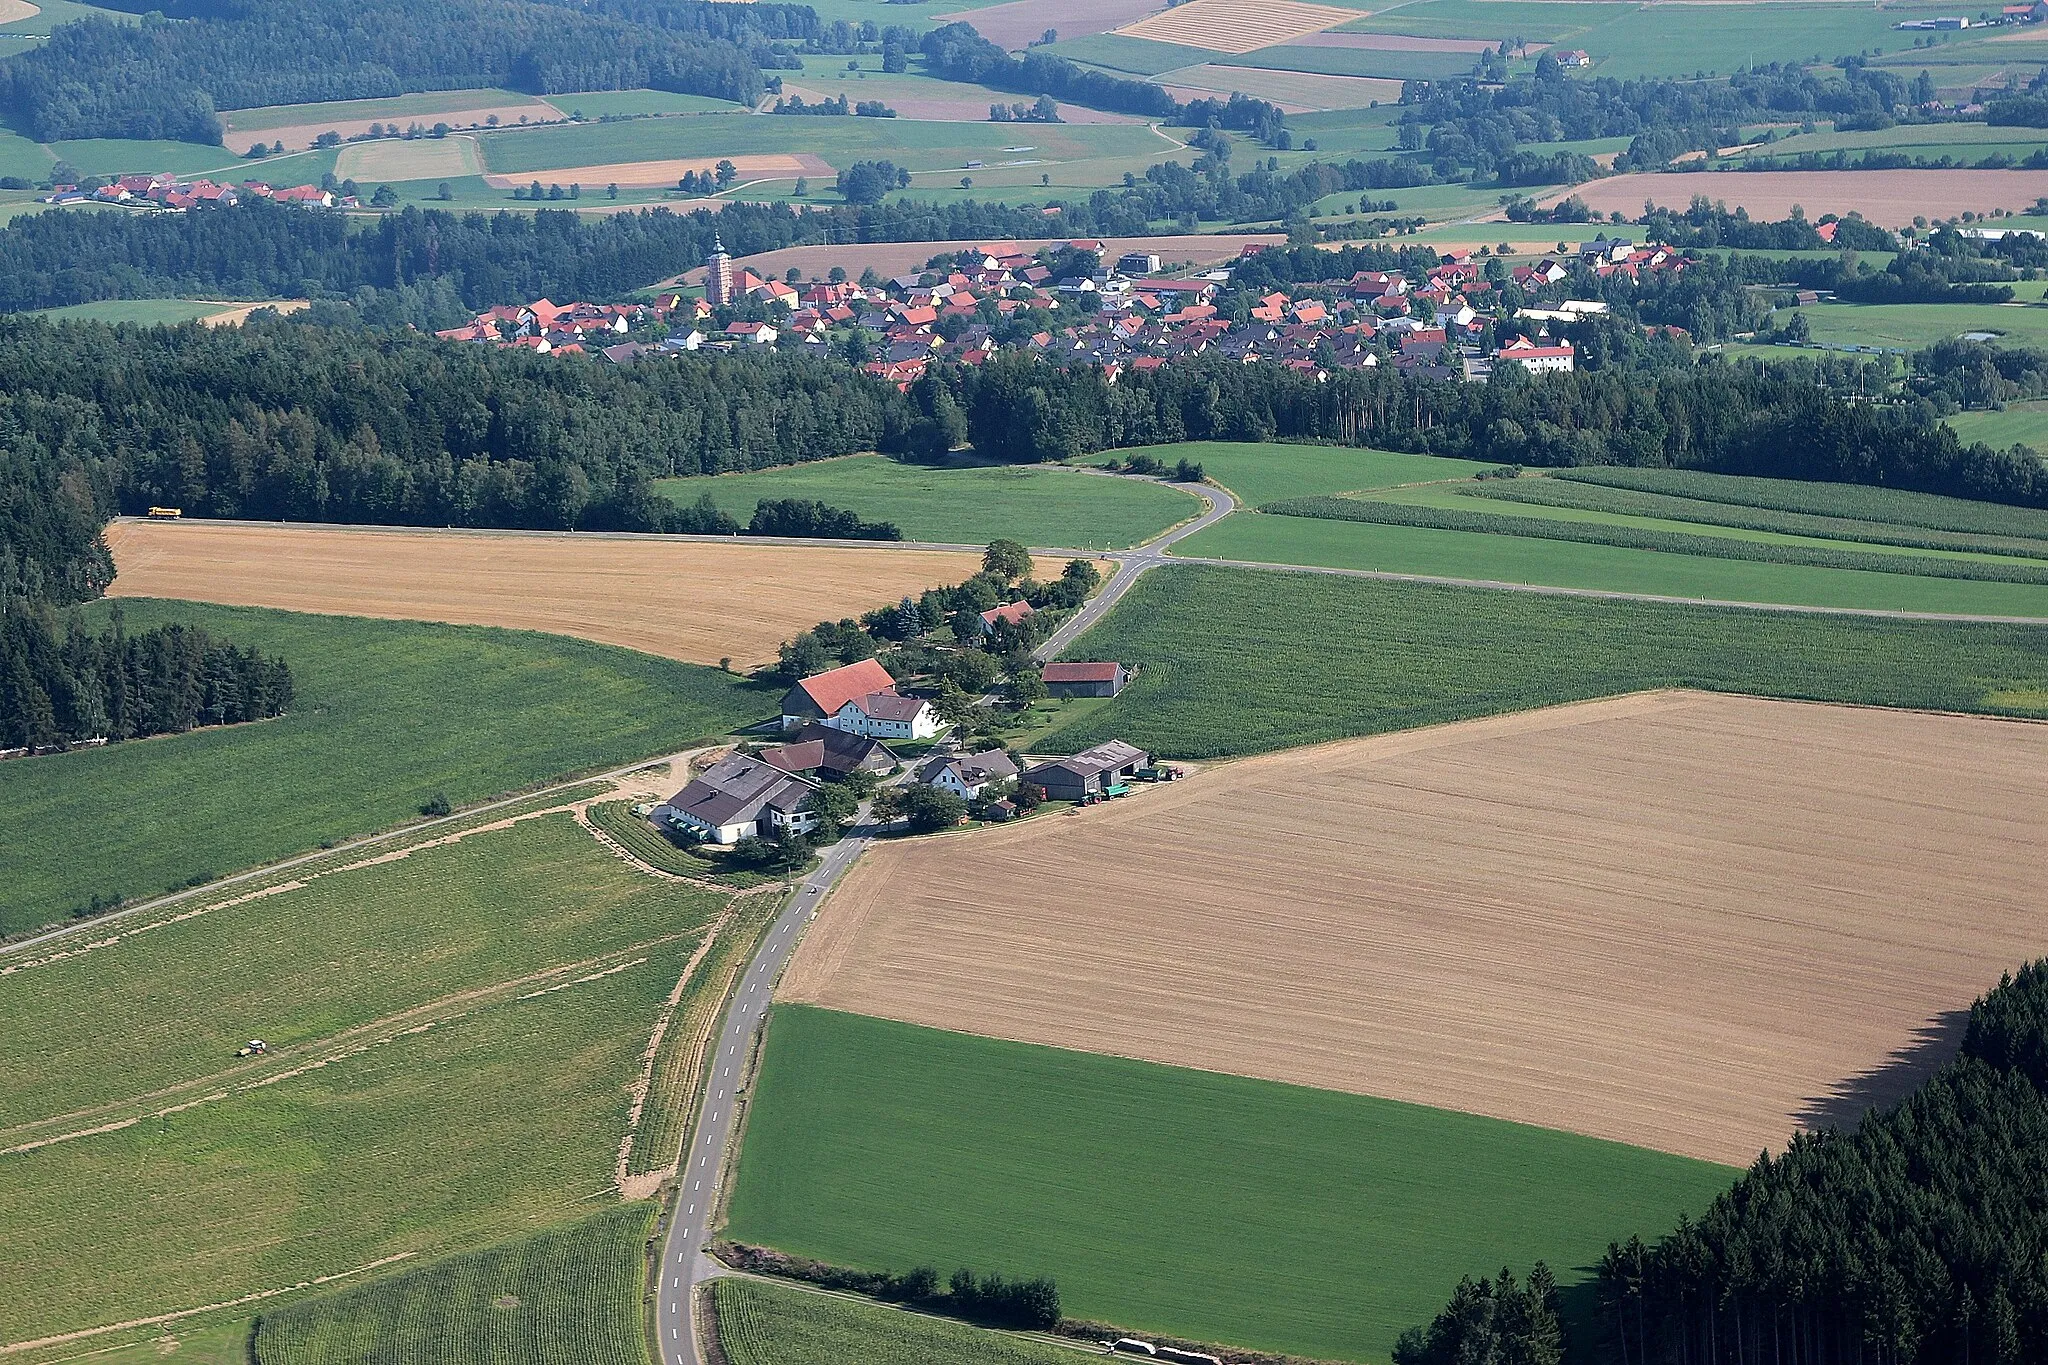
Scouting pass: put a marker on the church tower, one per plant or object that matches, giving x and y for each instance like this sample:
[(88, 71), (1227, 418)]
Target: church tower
[(718, 274)]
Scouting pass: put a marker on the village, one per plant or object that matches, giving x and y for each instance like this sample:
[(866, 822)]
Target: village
[(170, 193), (1082, 308)]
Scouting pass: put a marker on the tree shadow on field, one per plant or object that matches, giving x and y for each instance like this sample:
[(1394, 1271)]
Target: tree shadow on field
[(1933, 1044)]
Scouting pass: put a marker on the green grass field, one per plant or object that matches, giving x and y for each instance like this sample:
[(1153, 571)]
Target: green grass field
[(1168, 1200), (972, 505), (1479, 556), (1131, 56), (424, 106), (1234, 662), (1860, 502), (437, 1083), (600, 103), (763, 1323), (2019, 424), (1360, 61), (119, 156), (571, 1294), (144, 312), (1910, 326), (1262, 472), (388, 714)]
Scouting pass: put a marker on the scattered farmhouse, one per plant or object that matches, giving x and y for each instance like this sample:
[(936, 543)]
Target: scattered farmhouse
[(1084, 679), (860, 699), (740, 798), (820, 748), (1092, 772), (1009, 614), (967, 775)]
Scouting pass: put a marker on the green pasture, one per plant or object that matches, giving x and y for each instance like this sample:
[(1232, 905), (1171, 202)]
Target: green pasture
[(109, 156), (54, 12), (572, 1293), (146, 312), (1264, 471), (502, 1120), (972, 505), (424, 106), (1132, 56), (23, 157), (1359, 61), (1858, 502), (1540, 21), (1482, 557), (345, 949), (1341, 133), (1930, 139), (910, 143), (1294, 88), (388, 714), (1334, 1220), (2019, 424), (919, 16), (764, 1323), (1914, 325), (1234, 662), (597, 104)]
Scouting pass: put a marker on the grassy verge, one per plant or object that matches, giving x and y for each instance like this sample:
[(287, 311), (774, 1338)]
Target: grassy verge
[(1335, 1220), (1637, 535), (1038, 505), (1426, 551), (1233, 662), (769, 1324), (453, 1034), (389, 714), (571, 1293)]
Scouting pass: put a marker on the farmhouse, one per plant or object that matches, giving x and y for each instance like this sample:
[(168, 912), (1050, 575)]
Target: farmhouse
[(887, 715), (1092, 772), (819, 697), (1009, 614), (1084, 679), (821, 748), (738, 798), (967, 775)]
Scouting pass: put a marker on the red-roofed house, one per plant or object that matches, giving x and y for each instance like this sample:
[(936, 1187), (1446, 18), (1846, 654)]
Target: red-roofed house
[(820, 696), (1011, 613)]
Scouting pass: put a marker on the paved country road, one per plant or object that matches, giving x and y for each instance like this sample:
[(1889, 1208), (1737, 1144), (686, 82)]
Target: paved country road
[(683, 1264)]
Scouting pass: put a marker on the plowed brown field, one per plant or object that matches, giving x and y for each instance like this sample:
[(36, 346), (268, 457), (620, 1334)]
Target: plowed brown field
[(688, 600), (1237, 25), (1887, 198), (1684, 921)]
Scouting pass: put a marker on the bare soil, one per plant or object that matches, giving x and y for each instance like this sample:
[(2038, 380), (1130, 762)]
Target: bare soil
[(299, 136), (1887, 198), (1684, 921), (664, 174), (689, 600)]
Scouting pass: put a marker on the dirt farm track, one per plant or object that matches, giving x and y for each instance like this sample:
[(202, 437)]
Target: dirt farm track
[(1684, 921), (691, 600)]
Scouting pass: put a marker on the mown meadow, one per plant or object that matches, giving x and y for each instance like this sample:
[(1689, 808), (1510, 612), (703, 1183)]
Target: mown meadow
[(452, 1038), (388, 716), (1336, 1220), (569, 1294), (1232, 661), (761, 1323)]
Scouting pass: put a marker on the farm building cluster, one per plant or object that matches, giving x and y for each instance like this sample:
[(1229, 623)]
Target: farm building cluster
[(835, 726), (169, 192)]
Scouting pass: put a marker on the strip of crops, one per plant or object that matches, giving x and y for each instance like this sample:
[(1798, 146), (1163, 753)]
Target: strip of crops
[(768, 1324), (679, 1067), (1645, 538), (1235, 661), (652, 847), (570, 1294), (1856, 502), (1587, 496)]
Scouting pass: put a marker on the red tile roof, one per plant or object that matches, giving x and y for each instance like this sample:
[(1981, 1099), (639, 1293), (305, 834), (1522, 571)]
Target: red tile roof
[(835, 687), (1080, 672)]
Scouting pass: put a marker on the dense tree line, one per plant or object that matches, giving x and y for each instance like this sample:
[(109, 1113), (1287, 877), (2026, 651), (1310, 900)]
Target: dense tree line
[(808, 518), (1705, 225), (1729, 418), (1919, 1237), (1029, 1305), (958, 52), (285, 421), (166, 79), (65, 686), (1491, 1322)]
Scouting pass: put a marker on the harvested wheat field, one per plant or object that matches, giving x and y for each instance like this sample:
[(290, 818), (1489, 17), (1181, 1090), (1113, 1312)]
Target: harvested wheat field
[(1684, 921), (1237, 25), (696, 601), (642, 175), (1887, 198)]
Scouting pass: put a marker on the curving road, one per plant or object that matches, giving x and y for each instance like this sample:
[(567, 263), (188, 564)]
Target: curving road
[(1131, 563), (700, 1175)]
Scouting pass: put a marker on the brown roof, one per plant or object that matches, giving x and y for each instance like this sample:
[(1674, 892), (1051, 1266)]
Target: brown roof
[(1080, 672), (1012, 612), (835, 687), (889, 706), (795, 758)]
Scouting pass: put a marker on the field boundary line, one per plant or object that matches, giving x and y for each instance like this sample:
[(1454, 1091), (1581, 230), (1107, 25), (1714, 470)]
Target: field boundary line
[(258, 1295), (630, 1186)]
